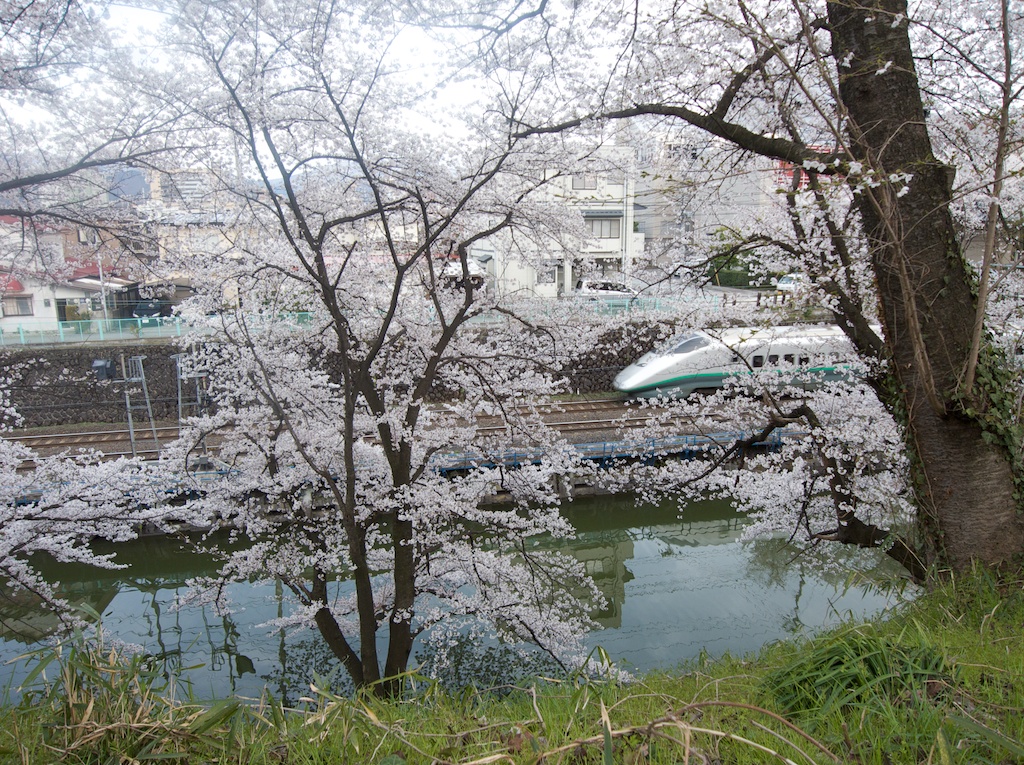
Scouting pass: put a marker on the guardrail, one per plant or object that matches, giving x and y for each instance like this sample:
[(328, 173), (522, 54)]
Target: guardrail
[(608, 453), (42, 332), (97, 330), (50, 332)]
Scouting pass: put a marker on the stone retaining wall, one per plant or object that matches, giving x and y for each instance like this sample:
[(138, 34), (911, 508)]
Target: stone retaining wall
[(57, 386), (593, 369)]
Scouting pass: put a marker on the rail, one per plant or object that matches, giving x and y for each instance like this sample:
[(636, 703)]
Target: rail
[(113, 443), (603, 454), (42, 332), (569, 416), (95, 330)]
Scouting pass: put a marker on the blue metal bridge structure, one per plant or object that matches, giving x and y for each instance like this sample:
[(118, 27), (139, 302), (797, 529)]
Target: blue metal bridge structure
[(604, 454), (609, 453)]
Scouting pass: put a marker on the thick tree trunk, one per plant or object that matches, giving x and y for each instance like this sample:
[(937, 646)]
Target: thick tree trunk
[(965, 483), (332, 633), (400, 635)]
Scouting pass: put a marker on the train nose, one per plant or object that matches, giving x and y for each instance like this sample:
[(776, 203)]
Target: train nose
[(626, 380)]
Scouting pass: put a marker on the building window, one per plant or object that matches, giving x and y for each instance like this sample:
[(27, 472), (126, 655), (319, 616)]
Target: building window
[(18, 306), (546, 271), (584, 182), (604, 228), (135, 246)]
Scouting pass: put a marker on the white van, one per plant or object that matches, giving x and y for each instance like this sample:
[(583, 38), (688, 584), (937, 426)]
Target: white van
[(792, 283), (603, 288)]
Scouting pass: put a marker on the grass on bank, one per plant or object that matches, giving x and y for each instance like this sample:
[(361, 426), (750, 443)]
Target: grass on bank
[(941, 682)]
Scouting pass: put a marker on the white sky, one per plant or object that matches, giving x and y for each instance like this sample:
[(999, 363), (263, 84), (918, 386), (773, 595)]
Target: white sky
[(416, 53)]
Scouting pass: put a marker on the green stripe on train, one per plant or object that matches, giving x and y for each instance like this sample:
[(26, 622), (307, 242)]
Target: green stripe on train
[(705, 380)]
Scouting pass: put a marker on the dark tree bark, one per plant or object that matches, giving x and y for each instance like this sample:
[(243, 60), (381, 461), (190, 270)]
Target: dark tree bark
[(966, 460), (964, 478)]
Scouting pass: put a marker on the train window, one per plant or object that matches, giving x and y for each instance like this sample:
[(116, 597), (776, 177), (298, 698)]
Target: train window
[(691, 343), (789, 358), (757, 361), (773, 359), (805, 360)]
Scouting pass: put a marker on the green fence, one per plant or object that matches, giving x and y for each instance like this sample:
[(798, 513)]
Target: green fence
[(95, 330)]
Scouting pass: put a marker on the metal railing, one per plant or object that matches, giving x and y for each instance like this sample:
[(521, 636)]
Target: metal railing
[(42, 332), (51, 332)]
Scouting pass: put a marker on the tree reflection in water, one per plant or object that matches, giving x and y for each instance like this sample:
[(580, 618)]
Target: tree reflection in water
[(675, 587)]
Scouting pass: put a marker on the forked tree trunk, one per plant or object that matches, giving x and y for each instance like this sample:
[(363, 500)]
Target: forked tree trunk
[(964, 482)]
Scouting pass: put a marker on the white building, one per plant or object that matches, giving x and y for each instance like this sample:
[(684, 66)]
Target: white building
[(603, 193), (691, 192), (54, 275), (40, 303)]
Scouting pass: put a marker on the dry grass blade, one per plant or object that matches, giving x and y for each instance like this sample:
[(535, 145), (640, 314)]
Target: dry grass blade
[(664, 728), (775, 734), (489, 759), (110, 704), (767, 713)]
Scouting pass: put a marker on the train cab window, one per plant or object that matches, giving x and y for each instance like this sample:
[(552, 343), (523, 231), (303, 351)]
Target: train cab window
[(789, 358), (805, 360), (757, 362), (773, 359), (690, 343)]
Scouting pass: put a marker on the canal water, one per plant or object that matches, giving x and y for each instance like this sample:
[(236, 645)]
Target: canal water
[(678, 586)]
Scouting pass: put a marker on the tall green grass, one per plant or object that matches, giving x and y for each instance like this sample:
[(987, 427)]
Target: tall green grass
[(941, 681), (848, 668), (88, 701)]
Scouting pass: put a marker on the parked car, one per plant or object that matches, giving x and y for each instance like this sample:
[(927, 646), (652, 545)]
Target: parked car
[(595, 289), (792, 283), (151, 311), (452, 275)]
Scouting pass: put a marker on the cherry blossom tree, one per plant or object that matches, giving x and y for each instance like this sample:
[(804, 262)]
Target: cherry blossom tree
[(81, 120), (376, 406), (974, 118), (70, 121), (56, 510), (56, 505), (833, 89)]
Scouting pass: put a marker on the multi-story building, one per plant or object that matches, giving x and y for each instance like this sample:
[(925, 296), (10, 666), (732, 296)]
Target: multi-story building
[(603, 192), (690, 193)]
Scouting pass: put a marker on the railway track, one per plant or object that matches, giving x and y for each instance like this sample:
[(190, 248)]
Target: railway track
[(568, 417), (91, 439)]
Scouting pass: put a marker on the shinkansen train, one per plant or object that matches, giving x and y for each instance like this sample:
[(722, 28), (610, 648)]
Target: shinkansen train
[(702, 361)]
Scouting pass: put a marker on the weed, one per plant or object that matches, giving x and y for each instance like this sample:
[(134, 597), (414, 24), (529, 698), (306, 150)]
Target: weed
[(101, 703), (936, 682), (855, 665)]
